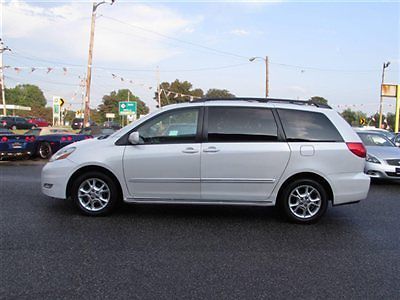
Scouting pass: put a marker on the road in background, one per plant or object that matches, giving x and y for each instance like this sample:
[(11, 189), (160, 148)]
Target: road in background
[(49, 250)]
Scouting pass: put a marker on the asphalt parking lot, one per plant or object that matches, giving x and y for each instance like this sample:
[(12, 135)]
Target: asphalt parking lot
[(49, 250)]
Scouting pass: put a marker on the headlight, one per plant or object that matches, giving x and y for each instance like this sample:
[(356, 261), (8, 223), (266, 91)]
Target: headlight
[(62, 153), (372, 159)]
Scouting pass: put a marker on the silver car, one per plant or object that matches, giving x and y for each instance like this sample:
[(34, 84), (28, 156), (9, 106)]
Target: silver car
[(383, 157)]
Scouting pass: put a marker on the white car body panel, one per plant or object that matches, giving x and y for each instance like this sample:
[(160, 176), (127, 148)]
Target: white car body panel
[(163, 171), (242, 171)]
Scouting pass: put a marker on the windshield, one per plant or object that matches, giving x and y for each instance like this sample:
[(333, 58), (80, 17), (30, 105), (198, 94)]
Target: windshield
[(374, 139)]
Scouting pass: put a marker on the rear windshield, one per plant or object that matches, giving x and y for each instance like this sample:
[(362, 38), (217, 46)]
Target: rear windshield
[(307, 126)]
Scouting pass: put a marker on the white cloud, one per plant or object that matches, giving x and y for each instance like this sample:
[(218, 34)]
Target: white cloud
[(63, 31), (240, 32)]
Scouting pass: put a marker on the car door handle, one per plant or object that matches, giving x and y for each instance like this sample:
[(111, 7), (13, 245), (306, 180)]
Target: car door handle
[(211, 149), (190, 150)]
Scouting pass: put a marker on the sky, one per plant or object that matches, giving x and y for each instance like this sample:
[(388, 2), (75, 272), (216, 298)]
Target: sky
[(333, 49)]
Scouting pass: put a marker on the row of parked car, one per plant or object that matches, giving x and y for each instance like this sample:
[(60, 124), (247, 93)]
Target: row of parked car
[(43, 142), (15, 123)]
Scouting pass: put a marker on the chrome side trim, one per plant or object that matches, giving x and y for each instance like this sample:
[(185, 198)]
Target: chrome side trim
[(164, 180), (197, 202), (237, 180), (203, 180)]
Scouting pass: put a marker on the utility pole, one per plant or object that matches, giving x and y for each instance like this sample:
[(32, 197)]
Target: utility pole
[(3, 94), (158, 88), (266, 78), (89, 66), (385, 65), (266, 72)]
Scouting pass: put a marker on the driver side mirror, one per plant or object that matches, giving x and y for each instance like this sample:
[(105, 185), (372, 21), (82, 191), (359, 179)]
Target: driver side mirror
[(134, 138)]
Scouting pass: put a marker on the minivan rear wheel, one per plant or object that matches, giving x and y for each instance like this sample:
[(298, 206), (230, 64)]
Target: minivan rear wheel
[(94, 193), (304, 201)]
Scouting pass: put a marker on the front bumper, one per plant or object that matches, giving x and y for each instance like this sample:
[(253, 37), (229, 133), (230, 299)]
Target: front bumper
[(382, 171), (55, 176)]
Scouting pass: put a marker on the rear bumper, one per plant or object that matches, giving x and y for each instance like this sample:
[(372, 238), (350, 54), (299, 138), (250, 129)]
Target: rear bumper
[(349, 187), (13, 154)]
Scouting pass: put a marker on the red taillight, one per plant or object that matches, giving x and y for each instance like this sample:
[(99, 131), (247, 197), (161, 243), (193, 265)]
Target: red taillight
[(4, 123), (69, 138), (88, 137), (4, 139), (63, 139), (358, 149), (29, 139)]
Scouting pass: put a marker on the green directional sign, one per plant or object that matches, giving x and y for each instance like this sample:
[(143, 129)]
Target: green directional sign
[(127, 108)]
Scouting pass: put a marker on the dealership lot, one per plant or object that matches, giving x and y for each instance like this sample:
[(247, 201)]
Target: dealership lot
[(49, 250)]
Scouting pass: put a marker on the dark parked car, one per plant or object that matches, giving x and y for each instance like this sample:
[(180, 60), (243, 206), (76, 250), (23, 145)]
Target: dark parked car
[(15, 145), (77, 123), (16, 123), (50, 140), (111, 124)]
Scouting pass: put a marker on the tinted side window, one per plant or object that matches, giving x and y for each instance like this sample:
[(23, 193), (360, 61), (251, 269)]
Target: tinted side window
[(241, 124), (304, 126), (177, 126)]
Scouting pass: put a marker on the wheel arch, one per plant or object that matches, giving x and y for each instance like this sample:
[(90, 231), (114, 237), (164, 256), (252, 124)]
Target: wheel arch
[(92, 168), (307, 175)]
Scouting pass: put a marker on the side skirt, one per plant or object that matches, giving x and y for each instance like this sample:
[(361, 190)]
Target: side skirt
[(198, 202)]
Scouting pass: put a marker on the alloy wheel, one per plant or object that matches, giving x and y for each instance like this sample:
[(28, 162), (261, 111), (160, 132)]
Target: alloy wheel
[(304, 201), (94, 194)]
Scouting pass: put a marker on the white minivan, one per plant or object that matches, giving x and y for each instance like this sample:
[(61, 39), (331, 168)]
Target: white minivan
[(298, 155)]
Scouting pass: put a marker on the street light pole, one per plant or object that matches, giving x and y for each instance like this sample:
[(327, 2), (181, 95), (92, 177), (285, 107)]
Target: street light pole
[(89, 66), (266, 73), (3, 94), (385, 65), (266, 78)]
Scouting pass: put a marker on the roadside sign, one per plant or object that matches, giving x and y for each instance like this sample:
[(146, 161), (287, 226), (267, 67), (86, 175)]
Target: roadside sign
[(389, 90), (110, 115), (56, 110), (61, 102), (127, 108), (362, 121)]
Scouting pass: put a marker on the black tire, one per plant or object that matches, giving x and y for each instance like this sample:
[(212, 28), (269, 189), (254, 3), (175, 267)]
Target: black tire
[(300, 208), (93, 206), (44, 150)]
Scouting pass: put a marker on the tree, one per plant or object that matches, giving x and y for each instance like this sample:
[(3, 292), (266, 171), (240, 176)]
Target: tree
[(320, 100), (180, 87), (353, 117), (26, 95), (219, 94), (110, 103)]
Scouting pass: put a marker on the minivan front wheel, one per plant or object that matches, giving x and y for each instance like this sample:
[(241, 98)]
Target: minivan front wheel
[(95, 194), (304, 201)]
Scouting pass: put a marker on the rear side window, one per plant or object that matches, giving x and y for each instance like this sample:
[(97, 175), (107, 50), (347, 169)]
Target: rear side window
[(306, 126), (241, 124)]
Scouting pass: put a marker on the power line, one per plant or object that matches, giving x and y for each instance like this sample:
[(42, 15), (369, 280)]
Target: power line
[(176, 39)]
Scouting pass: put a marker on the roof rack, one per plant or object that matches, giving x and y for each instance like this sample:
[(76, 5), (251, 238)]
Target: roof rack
[(266, 100)]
